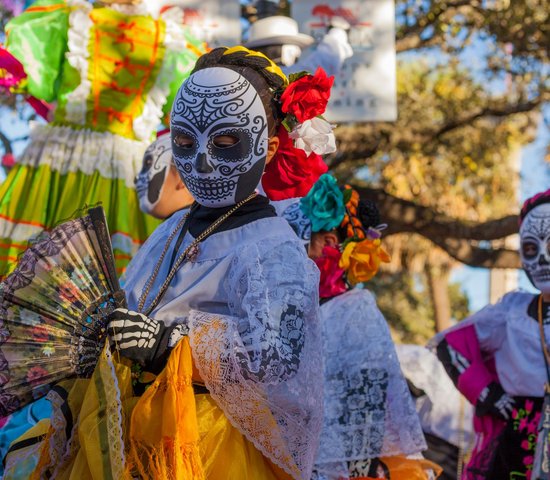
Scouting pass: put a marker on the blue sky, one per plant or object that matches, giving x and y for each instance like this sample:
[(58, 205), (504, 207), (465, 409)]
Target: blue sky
[(535, 177)]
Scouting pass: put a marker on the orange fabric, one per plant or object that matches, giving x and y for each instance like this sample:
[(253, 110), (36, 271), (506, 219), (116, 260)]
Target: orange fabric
[(164, 435), (403, 468)]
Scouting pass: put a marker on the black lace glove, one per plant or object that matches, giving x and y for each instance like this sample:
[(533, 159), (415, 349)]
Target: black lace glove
[(142, 339), (493, 400)]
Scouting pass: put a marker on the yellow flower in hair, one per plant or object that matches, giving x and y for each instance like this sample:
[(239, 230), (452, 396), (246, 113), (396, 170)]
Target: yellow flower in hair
[(361, 260)]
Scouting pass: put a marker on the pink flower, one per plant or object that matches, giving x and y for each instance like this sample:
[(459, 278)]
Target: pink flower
[(332, 276), (532, 426), (522, 424), (526, 445), (529, 406)]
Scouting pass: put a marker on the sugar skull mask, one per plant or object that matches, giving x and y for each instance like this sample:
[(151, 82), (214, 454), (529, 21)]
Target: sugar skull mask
[(156, 166), (535, 246), (219, 136)]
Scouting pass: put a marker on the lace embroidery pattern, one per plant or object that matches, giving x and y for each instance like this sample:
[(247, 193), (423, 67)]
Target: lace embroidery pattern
[(262, 363), (368, 408)]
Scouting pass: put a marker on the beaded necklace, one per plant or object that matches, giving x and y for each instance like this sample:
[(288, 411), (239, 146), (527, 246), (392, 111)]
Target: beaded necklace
[(190, 253)]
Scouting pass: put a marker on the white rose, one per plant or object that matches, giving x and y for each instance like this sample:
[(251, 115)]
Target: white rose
[(314, 135)]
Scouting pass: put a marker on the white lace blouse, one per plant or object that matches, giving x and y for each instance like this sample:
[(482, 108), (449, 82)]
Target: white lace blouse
[(251, 302)]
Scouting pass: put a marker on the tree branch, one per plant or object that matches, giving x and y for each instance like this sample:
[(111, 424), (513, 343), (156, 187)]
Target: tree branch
[(410, 37), (488, 112), (466, 253), (406, 216)]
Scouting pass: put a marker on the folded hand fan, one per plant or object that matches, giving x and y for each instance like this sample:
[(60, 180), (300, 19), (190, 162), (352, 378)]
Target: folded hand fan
[(53, 310)]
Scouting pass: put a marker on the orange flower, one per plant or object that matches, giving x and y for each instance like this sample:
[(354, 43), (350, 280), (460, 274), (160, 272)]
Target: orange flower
[(361, 260)]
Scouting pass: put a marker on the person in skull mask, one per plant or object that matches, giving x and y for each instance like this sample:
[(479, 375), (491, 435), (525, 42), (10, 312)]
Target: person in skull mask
[(160, 189), (231, 276), (370, 426), (278, 38), (495, 358), (222, 310)]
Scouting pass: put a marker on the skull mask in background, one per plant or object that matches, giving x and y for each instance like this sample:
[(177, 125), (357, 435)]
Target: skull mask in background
[(219, 136), (535, 246), (156, 166)]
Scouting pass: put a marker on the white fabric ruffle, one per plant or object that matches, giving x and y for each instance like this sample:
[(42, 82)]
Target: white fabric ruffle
[(262, 363), (65, 150), (174, 40), (78, 56), (18, 232)]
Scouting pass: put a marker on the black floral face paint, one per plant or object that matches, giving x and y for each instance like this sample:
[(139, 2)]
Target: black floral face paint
[(219, 136)]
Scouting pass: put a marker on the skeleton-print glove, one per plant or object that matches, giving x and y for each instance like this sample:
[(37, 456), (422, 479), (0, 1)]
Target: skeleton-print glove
[(142, 339), (493, 400)]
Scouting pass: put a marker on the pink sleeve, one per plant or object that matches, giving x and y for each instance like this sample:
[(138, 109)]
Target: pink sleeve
[(477, 376)]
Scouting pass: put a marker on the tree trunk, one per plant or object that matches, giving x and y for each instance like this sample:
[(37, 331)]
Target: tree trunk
[(438, 285)]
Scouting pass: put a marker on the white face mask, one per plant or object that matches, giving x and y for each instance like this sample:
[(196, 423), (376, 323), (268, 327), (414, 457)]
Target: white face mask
[(219, 136), (535, 246), (156, 166), (290, 54)]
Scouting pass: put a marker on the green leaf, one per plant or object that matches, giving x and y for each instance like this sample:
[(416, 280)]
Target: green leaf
[(296, 76), (347, 195)]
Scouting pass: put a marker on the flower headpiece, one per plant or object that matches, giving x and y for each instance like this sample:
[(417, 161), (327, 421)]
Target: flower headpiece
[(532, 202), (304, 136), (360, 253)]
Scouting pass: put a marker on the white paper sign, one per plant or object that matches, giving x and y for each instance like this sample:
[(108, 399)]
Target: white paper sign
[(216, 22), (365, 88)]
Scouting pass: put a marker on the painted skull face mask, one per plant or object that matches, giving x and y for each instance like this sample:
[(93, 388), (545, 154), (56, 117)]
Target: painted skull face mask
[(535, 246), (219, 136), (156, 166)]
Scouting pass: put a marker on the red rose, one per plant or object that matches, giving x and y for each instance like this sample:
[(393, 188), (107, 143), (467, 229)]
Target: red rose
[(308, 96), (332, 276), (291, 173)]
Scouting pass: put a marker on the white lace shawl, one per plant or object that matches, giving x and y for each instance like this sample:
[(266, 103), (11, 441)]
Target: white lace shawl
[(251, 301), (368, 409)]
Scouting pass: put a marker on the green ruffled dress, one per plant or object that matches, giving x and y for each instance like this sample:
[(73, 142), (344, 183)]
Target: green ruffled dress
[(112, 74)]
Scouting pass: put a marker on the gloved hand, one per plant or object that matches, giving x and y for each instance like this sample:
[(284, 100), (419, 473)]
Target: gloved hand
[(493, 400), (142, 339)]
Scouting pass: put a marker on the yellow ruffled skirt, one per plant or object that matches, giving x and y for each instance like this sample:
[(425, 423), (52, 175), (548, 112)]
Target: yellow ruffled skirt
[(167, 433)]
